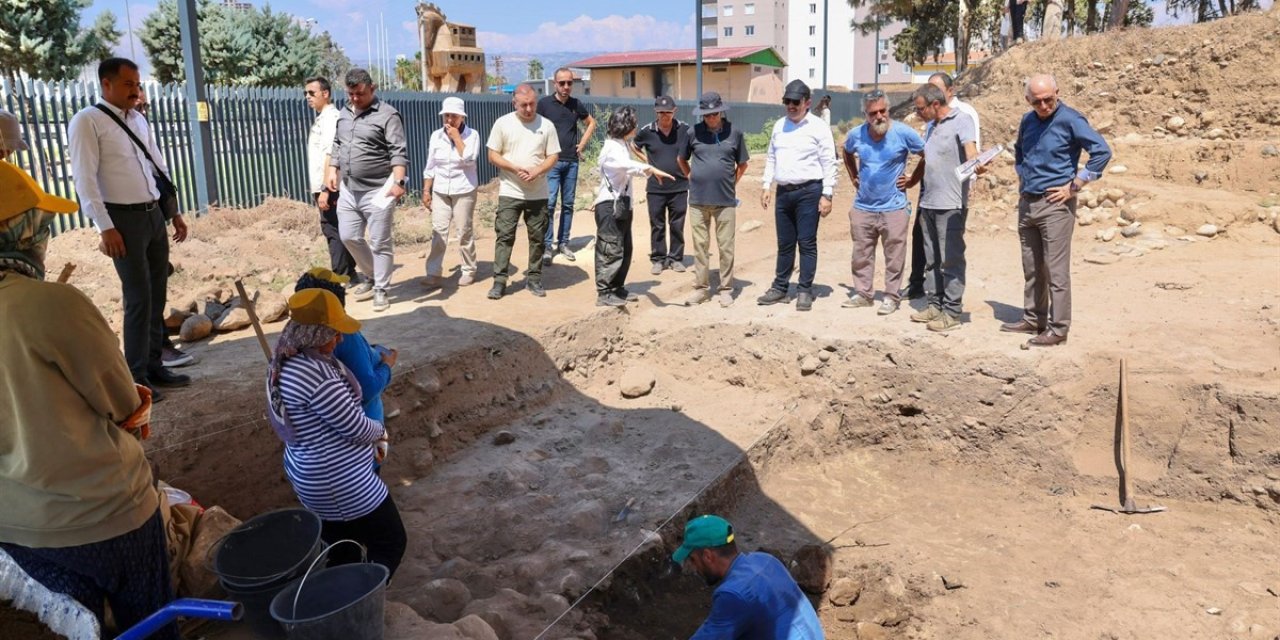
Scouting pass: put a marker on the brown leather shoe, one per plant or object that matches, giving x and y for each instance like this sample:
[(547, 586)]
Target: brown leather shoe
[(1047, 339), (1021, 326)]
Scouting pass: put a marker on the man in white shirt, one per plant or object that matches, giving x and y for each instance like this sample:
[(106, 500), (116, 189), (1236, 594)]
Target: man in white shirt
[(915, 281), (319, 144), (802, 161), (117, 187), (524, 146)]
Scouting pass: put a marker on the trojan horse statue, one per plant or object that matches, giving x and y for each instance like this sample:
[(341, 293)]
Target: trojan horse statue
[(451, 61)]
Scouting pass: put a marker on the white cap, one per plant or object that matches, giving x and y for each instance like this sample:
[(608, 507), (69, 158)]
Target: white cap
[(454, 106), (10, 133)]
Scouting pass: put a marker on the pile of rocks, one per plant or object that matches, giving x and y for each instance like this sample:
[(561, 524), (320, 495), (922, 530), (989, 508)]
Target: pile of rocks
[(219, 309)]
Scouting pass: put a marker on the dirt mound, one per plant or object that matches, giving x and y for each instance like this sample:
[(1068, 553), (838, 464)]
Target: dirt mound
[(1138, 80)]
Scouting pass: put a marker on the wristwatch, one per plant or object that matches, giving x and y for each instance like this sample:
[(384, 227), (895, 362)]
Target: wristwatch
[(403, 182)]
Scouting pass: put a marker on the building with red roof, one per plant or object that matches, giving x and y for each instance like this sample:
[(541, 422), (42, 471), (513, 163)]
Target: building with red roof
[(738, 74)]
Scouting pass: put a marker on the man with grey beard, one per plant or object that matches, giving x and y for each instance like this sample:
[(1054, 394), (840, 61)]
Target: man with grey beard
[(876, 156)]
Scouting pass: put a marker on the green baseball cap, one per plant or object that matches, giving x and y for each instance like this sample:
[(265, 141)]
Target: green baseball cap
[(703, 532)]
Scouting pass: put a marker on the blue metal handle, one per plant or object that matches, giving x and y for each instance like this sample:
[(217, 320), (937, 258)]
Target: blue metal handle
[(190, 607)]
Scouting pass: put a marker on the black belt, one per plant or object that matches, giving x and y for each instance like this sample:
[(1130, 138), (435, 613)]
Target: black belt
[(798, 185), (141, 206)]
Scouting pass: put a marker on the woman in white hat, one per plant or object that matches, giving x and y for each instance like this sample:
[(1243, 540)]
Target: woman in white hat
[(449, 191)]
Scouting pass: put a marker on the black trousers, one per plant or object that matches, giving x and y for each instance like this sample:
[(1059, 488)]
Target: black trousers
[(144, 279), (666, 215), (340, 260), (381, 532), (613, 248), (915, 281), (129, 571), (1017, 15)]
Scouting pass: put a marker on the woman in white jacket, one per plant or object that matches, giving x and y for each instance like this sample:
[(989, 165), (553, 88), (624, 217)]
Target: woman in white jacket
[(449, 192), (613, 208)]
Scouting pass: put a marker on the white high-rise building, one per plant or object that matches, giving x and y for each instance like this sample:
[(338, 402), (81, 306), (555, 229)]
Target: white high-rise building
[(813, 36)]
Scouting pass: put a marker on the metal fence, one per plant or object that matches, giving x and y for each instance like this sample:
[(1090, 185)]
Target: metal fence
[(259, 136)]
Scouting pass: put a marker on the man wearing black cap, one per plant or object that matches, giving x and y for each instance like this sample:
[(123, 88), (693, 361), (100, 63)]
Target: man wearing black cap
[(802, 160), (661, 141), (714, 158)]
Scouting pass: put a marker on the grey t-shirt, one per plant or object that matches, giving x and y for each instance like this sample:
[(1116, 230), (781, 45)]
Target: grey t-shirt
[(943, 152), (713, 158)]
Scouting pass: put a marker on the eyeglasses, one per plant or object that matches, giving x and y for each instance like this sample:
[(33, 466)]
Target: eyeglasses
[(789, 102), (874, 95), (1035, 102), (309, 93), (564, 83)]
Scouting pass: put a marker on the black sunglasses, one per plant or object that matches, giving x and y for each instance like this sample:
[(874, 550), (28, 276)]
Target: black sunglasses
[(310, 93), (789, 101), (1044, 101), (564, 83)]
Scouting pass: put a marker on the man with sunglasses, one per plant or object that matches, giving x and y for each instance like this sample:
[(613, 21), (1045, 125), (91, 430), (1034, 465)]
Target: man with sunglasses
[(801, 159), (369, 150), (944, 206), (1047, 153), (875, 155), (318, 93), (565, 112)]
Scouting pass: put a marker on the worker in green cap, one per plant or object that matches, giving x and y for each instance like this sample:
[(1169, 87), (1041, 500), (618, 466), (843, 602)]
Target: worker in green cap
[(755, 597)]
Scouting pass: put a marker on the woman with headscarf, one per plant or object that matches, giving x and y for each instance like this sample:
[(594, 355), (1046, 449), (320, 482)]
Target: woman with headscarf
[(613, 208), (314, 405), (81, 514), (370, 364), (449, 184)]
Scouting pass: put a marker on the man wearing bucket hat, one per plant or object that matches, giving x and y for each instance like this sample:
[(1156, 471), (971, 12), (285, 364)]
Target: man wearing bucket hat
[(81, 513), (714, 158), (314, 405), (449, 184), (755, 596)]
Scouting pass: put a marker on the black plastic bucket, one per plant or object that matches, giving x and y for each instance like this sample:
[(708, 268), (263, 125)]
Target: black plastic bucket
[(259, 558), (270, 549), (339, 603)]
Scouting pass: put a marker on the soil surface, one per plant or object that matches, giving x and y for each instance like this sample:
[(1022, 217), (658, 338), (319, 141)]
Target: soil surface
[(526, 478)]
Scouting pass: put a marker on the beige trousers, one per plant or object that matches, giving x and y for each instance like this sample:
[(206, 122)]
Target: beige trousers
[(448, 213), (701, 219)]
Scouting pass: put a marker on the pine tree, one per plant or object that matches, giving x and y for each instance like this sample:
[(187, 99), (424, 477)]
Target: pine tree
[(43, 38)]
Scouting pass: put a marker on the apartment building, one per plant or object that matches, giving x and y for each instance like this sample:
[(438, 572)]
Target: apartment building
[(797, 30)]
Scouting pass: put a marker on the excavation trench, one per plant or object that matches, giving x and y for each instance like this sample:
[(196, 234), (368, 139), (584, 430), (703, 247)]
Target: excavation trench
[(799, 441)]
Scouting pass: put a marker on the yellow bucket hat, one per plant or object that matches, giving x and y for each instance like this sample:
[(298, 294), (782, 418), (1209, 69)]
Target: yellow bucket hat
[(23, 194), (317, 306)]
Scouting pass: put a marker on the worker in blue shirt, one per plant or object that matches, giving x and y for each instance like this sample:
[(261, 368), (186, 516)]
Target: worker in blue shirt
[(1047, 154), (755, 597)]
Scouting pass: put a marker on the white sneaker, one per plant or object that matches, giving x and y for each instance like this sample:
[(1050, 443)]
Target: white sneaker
[(887, 306), (725, 297)]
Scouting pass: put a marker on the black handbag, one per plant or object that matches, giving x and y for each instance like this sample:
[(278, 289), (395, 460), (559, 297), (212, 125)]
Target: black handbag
[(621, 204), (168, 200)]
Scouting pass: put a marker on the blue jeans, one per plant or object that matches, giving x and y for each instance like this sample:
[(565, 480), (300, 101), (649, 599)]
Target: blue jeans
[(796, 216), (562, 180)]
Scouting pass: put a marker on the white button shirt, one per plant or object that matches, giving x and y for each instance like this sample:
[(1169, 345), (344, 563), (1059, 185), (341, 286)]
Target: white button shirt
[(107, 166), (320, 143), (800, 152), (453, 173), (617, 167)]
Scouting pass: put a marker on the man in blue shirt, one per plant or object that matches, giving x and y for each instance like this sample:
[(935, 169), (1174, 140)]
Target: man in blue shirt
[(876, 156), (1050, 139), (755, 596)]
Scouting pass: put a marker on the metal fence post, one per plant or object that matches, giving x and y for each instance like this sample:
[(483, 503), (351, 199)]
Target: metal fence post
[(197, 109)]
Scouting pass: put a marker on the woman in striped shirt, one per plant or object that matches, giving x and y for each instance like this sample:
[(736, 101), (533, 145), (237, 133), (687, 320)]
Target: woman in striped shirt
[(315, 408)]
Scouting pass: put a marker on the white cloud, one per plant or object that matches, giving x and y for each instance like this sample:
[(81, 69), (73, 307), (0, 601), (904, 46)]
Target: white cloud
[(584, 33)]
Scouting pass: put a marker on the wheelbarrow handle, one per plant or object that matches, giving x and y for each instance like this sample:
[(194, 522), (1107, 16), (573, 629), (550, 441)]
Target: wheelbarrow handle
[(189, 607)]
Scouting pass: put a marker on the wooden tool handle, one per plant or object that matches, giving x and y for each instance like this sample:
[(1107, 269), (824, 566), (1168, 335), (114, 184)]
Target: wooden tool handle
[(1122, 435), (253, 317)]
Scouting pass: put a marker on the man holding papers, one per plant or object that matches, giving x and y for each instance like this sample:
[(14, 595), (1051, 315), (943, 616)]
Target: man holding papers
[(369, 158)]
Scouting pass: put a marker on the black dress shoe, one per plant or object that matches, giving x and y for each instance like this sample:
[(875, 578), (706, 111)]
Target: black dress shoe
[(156, 396), (163, 377), (914, 294)]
